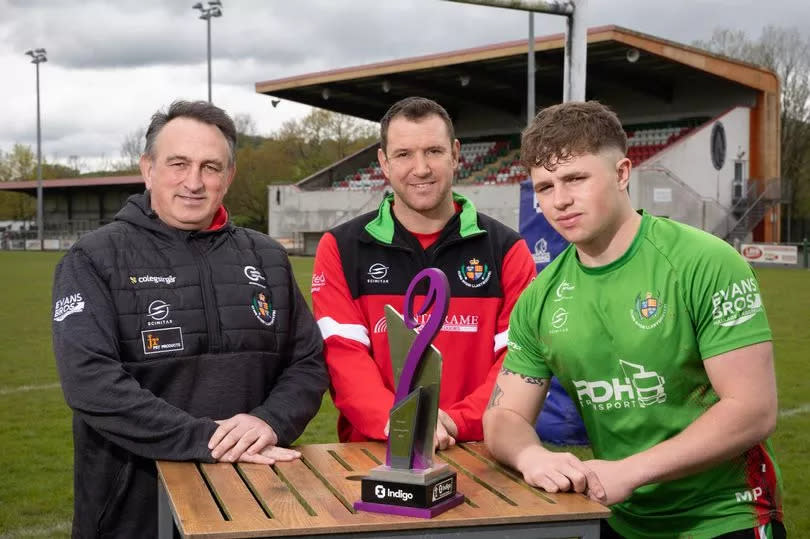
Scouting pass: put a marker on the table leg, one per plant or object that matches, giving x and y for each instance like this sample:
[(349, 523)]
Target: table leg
[(165, 519), (590, 529)]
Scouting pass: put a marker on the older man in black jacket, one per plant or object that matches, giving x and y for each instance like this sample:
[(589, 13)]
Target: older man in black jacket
[(178, 335)]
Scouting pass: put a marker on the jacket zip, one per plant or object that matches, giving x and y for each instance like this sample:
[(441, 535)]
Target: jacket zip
[(450, 242), (425, 260), (209, 305)]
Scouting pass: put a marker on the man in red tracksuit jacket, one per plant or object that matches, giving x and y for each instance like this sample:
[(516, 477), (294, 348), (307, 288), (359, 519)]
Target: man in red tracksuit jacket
[(369, 261)]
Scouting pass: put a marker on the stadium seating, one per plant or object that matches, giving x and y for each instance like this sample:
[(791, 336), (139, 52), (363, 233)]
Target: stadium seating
[(366, 178), (474, 156), (503, 171), (493, 162), (644, 142)]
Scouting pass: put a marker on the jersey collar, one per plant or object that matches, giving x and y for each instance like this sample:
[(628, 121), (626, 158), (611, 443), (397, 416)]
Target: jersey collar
[(646, 219), (381, 228)]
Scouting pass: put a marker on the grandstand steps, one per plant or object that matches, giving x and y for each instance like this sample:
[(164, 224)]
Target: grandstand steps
[(490, 171), (752, 217)]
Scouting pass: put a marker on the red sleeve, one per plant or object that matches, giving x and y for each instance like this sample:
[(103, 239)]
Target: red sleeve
[(357, 384), (517, 272)]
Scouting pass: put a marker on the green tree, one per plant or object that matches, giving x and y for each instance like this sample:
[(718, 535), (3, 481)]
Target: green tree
[(257, 167), (18, 165), (298, 149)]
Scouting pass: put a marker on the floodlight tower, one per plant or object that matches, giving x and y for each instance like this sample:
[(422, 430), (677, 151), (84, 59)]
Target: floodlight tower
[(214, 9), (37, 57)]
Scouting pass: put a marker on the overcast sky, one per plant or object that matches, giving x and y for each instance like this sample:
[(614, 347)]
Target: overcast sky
[(112, 63)]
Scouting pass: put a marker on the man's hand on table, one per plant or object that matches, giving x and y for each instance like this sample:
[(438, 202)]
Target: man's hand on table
[(559, 472), (615, 478), (270, 455), (246, 438), (446, 431)]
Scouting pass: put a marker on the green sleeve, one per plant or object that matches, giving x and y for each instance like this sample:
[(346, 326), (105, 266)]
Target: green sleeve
[(726, 301), (525, 350)]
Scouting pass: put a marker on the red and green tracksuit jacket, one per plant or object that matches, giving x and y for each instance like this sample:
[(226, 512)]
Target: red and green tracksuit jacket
[(368, 262)]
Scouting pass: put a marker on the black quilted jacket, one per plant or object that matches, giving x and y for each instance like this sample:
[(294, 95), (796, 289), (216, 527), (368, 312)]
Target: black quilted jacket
[(157, 333)]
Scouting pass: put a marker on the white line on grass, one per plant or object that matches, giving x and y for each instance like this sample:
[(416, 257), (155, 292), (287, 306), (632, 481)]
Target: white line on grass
[(39, 531), (803, 409), (23, 389)]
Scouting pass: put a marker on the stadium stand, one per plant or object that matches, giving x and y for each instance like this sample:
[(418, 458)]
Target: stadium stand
[(644, 141), (370, 177), (474, 157), (703, 135), (497, 162)]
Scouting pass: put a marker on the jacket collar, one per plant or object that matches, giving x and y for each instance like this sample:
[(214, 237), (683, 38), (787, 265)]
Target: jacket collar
[(382, 227), (138, 211)]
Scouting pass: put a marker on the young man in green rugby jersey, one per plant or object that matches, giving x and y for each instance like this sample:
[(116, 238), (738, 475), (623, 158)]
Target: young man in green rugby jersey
[(658, 332)]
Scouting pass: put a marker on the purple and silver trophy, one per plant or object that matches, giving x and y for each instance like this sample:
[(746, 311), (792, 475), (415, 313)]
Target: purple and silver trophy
[(410, 483)]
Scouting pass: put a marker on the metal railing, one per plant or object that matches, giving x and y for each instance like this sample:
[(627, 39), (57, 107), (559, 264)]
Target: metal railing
[(751, 212), (56, 236), (707, 207)]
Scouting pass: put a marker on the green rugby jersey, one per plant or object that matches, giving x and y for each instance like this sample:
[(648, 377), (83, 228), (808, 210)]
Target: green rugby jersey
[(627, 341)]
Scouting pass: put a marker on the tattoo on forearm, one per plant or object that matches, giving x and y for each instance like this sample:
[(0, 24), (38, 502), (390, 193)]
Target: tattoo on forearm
[(495, 399), (528, 379)]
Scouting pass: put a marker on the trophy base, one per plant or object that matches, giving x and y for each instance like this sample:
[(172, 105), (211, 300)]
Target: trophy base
[(415, 493), (404, 511)]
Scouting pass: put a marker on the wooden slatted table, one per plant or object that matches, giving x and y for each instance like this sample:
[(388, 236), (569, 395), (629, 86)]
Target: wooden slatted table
[(314, 496)]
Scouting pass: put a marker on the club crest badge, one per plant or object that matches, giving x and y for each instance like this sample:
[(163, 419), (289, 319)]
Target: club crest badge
[(262, 308), (649, 310), (474, 273), (647, 307)]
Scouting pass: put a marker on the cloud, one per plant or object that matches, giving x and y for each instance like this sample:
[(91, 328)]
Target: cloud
[(108, 35), (111, 64)]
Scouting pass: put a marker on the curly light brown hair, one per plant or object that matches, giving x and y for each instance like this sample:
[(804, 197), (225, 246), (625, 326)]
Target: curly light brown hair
[(561, 132)]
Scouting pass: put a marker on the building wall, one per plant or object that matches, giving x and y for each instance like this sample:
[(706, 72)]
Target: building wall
[(681, 182), (294, 213), (659, 192), (690, 159)]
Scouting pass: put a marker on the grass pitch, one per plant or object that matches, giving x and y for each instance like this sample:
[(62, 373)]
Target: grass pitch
[(36, 452)]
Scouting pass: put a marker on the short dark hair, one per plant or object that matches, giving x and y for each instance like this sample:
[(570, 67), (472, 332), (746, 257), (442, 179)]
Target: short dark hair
[(563, 131), (414, 108), (202, 111)]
